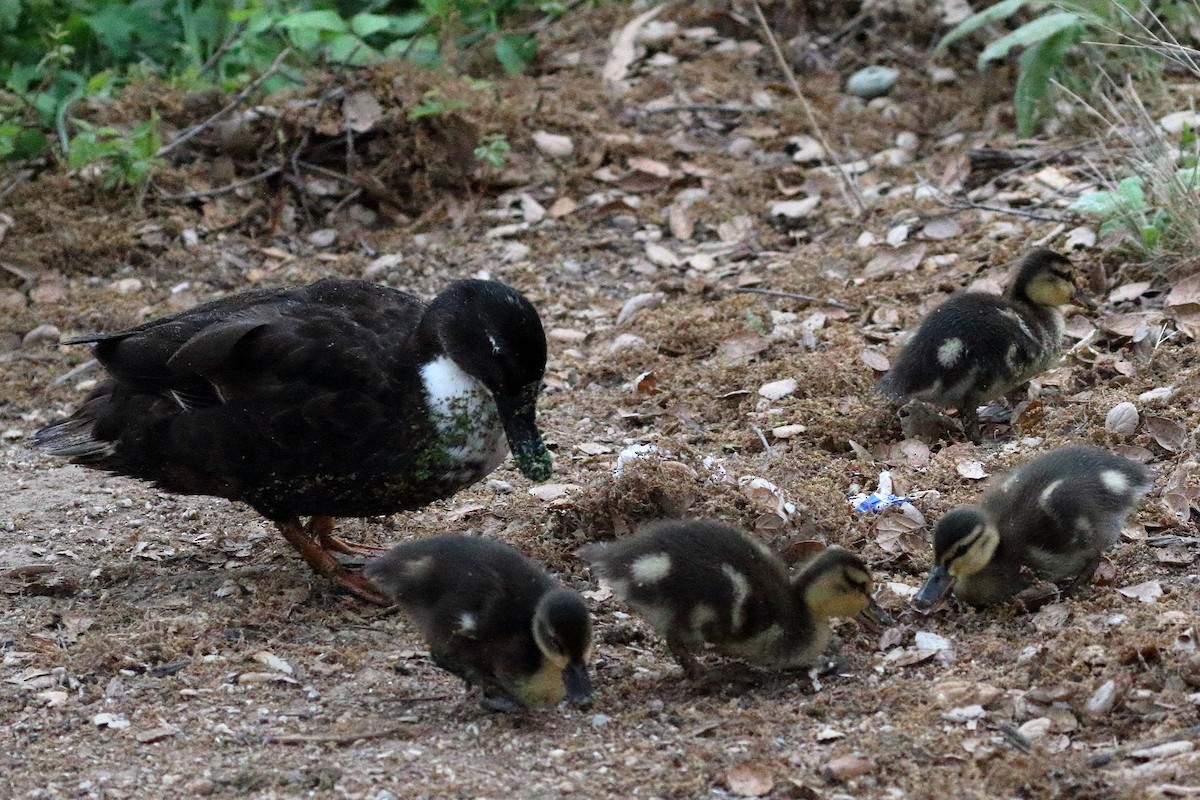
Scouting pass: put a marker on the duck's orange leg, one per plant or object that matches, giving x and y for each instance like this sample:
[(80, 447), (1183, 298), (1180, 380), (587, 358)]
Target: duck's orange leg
[(324, 563), (321, 528)]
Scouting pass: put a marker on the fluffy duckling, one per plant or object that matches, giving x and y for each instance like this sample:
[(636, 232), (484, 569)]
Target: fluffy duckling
[(493, 618), (975, 347), (1049, 520), (337, 399), (699, 582)]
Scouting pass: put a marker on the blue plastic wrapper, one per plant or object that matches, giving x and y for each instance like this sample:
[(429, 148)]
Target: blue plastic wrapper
[(876, 501)]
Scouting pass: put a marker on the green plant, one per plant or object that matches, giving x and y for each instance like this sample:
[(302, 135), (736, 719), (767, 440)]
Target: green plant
[(434, 102), (130, 156), (1063, 43), (493, 150)]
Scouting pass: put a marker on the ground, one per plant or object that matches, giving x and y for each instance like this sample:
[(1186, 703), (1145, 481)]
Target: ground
[(161, 646)]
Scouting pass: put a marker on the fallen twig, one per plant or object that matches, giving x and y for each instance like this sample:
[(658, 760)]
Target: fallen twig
[(763, 438), (335, 738), (850, 191), (246, 91), (804, 298), (21, 177), (700, 107), (74, 372), (226, 189), (220, 52), (947, 200)]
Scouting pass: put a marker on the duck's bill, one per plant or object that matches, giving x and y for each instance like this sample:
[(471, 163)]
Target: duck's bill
[(1081, 298), (874, 618), (578, 683), (520, 426), (937, 586)]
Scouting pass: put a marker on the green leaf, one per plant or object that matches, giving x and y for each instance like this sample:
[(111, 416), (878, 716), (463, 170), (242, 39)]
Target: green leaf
[(1037, 66), (346, 48), (314, 21), (1030, 33), (438, 9), (999, 11), (10, 14), (408, 24), (366, 24), (515, 51), (1130, 190), (1127, 198)]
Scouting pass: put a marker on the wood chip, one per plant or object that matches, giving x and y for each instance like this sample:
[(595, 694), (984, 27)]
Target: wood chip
[(750, 779)]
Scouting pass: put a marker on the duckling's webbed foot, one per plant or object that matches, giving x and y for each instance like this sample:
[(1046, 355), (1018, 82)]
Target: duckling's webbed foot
[(1039, 594), (970, 420), (684, 656), (325, 563)]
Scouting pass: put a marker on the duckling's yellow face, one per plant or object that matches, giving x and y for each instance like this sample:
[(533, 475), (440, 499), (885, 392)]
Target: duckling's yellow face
[(562, 631), (1052, 286), (964, 543), (842, 590)]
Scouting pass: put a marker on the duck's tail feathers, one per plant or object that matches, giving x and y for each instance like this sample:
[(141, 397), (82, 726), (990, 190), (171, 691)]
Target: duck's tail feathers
[(74, 438)]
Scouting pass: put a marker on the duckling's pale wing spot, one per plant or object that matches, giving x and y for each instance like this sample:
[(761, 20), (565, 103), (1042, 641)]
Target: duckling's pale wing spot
[(418, 567), (466, 622), (1046, 497), (949, 352), (1115, 481), (651, 568), (1012, 358), (741, 592)]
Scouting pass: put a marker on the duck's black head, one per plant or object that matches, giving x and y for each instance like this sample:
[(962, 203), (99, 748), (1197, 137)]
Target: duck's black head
[(963, 544), (562, 629), (495, 335), (1045, 278)]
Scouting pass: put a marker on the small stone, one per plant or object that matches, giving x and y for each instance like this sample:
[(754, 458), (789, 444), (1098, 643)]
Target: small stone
[(205, 787), (568, 335), (626, 341), (777, 390), (600, 720), (964, 713), (871, 82), (788, 431), (127, 286), (845, 768), (381, 266), (1122, 419), (42, 334), (553, 144), (1035, 728), (794, 209), (1103, 700), (323, 238), (552, 491)]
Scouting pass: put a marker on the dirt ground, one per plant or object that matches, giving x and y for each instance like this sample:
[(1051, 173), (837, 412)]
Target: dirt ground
[(162, 646)]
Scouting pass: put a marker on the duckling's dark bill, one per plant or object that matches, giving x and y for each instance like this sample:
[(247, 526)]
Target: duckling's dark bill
[(1081, 298), (520, 426), (937, 585), (874, 618), (578, 684)]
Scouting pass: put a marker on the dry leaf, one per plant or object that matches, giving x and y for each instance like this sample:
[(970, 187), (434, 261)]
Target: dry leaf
[(750, 779), (562, 207), (360, 111), (875, 360), (646, 383), (970, 468), (651, 167), (273, 661), (946, 227), (1186, 292), (624, 50), (740, 348), (1128, 291), (634, 305), (1146, 592), (593, 448), (1169, 434), (1051, 617), (902, 259), (897, 533)]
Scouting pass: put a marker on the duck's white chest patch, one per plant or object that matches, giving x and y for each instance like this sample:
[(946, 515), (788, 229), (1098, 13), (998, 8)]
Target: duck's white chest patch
[(465, 415)]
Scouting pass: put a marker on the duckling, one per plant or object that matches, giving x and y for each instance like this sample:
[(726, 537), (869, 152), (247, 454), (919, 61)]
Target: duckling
[(1049, 520), (975, 347), (493, 618), (699, 582), (341, 398)]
